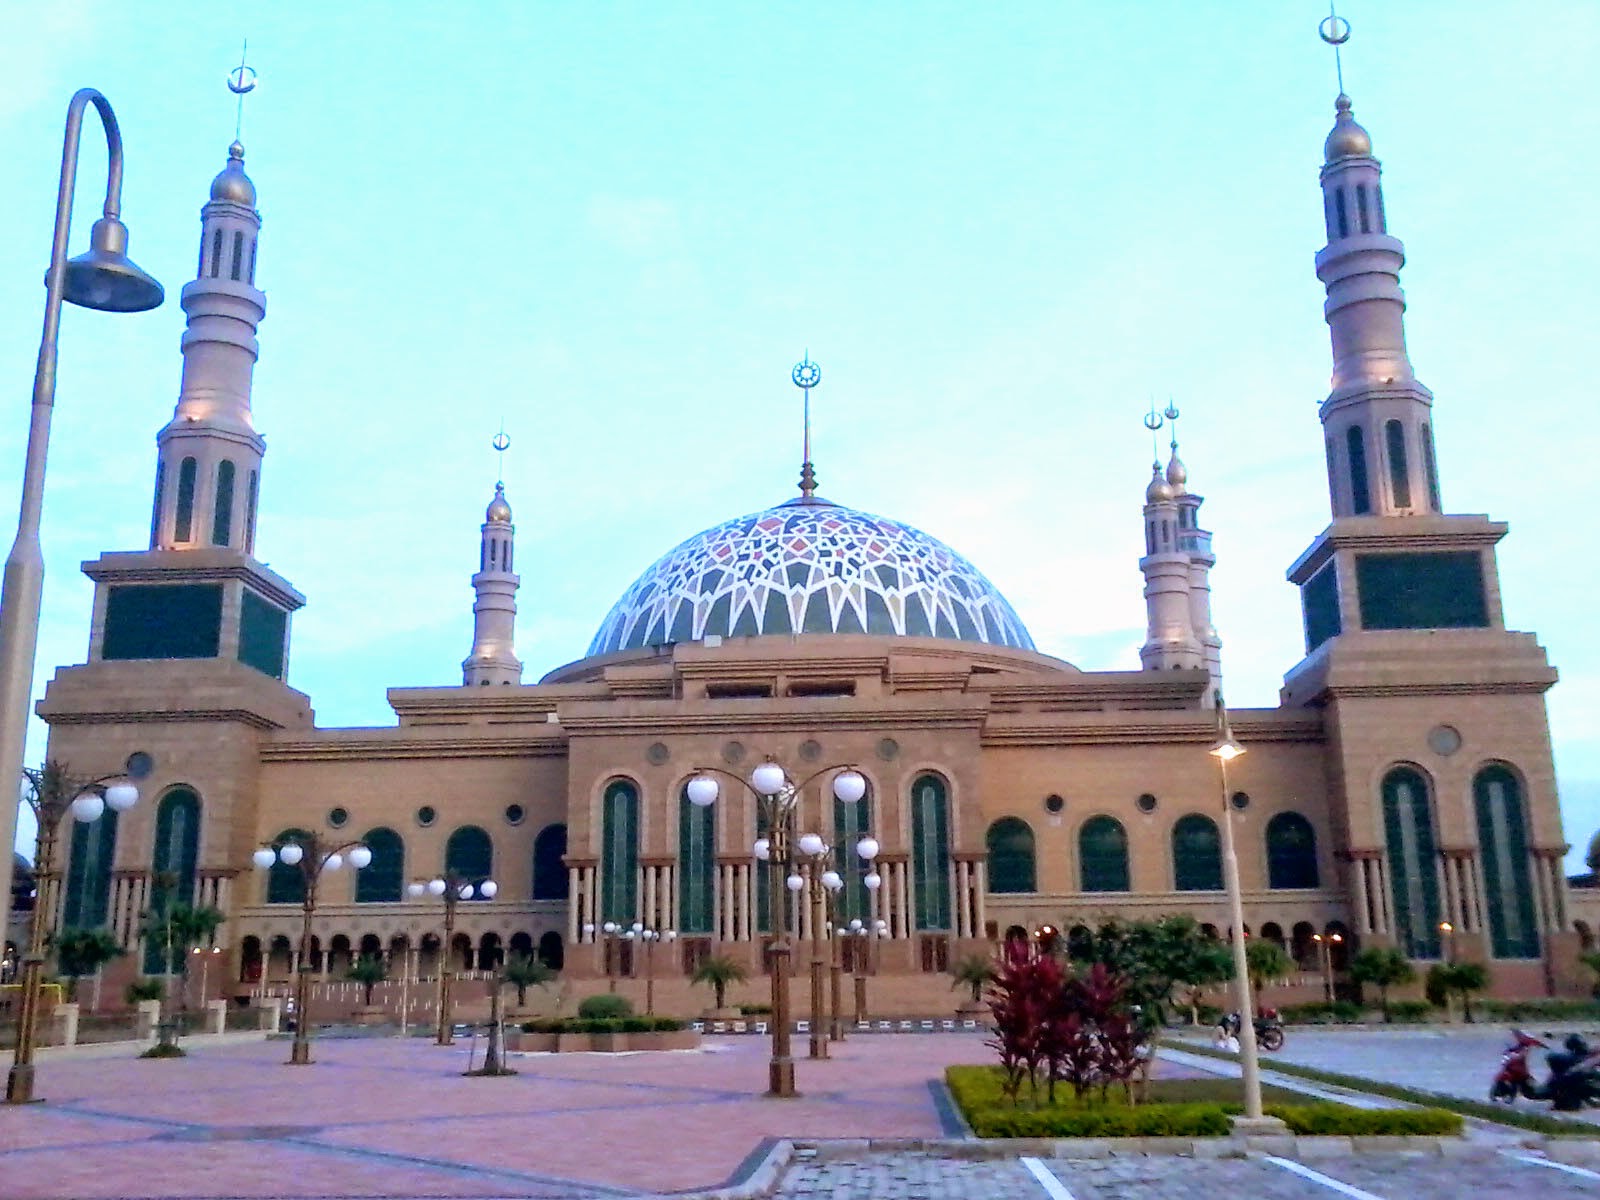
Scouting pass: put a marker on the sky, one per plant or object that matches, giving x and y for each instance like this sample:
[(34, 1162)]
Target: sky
[(1002, 230)]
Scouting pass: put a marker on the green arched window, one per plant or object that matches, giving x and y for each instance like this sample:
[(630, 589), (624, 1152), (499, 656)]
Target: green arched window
[(1413, 858), (851, 823), (383, 879), (470, 854), (1291, 852), (549, 870), (1503, 843), (1010, 844), (286, 885), (1196, 854), (697, 865), (175, 861), (1103, 855), (930, 852), (619, 852), (88, 896)]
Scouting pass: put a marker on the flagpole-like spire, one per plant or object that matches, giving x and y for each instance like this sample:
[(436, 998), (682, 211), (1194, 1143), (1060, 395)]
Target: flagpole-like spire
[(806, 375)]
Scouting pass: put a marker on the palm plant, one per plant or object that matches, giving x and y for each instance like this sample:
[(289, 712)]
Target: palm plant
[(81, 952), (523, 971), (369, 971), (1266, 960), (178, 927), (975, 971), (1384, 967), (719, 972)]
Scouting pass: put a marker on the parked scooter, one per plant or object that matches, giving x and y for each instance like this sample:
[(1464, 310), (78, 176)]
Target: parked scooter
[(1514, 1078), (1269, 1029)]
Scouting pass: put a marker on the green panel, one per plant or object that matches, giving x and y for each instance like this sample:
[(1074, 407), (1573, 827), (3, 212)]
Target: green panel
[(383, 879), (1413, 862), (550, 880), (174, 863), (88, 892), (1503, 843), (163, 621), (619, 853), (1011, 866), (1424, 590), (263, 635), (1319, 603), (1196, 854), (285, 884), (470, 854), (1291, 852), (851, 823), (1103, 855), (697, 865), (930, 852)]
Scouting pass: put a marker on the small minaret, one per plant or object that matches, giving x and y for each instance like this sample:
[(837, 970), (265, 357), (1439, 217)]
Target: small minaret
[(494, 612), (1171, 640), (208, 466), (1376, 420), (1196, 544)]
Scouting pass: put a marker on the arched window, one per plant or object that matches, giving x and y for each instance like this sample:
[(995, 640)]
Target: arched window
[(222, 518), (1011, 867), (930, 852), (619, 852), (1291, 852), (1413, 872), (697, 865), (216, 252), (1503, 843), (286, 885), (1432, 471), (237, 268), (470, 854), (551, 951), (183, 523), (1196, 854), (1103, 855), (250, 517), (1341, 214), (851, 823), (1361, 208), (1399, 471), (88, 898), (1360, 492), (175, 860), (382, 880), (549, 871)]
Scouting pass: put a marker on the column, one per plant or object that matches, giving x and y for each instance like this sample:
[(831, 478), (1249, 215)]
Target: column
[(591, 892), (575, 890), (1558, 889), (1380, 875), (961, 898), (744, 877), (1541, 890), (1358, 885), (1449, 869), (980, 896), (903, 888), (1474, 869), (649, 893)]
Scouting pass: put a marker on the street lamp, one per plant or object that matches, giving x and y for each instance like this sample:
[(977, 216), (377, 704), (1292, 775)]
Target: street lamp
[(610, 932), (777, 806), (649, 938), (52, 792), (313, 858), (1225, 751), (861, 964), (204, 956), (105, 279), (827, 884), (1325, 945), (452, 889)]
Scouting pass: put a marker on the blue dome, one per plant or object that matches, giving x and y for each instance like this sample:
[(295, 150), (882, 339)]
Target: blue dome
[(809, 568)]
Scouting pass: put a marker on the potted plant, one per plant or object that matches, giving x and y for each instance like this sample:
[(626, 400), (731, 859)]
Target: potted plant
[(719, 972), (974, 972)]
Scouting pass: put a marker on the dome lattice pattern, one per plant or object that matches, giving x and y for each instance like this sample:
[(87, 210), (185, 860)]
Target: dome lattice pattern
[(810, 568)]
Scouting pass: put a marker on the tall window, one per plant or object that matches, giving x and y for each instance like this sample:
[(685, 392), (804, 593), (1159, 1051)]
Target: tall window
[(930, 852), (1360, 491), (382, 880), (285, 885), (183, 526), (88, 898), (697, 866), (1339, 212), (1011, 867), (175, 860), (1196, 854), (1103, 855), (250, 517), (470, 854), (1361, 208), (1503, 842), (1399, 470), (549, 871), (851, 823), (216, 253), (1433, 473), (619, 852), (238, 255), (222, 519), (1291, 852), (1413, 873), (155, 513)]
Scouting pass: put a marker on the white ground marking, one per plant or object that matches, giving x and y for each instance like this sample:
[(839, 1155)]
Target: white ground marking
[(1326, 1181), (1052, 1186), (1558, 1166)]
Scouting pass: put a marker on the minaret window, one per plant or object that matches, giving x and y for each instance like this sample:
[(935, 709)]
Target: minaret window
[(1328, 214), (1150, 537), (183, 525), (216, 253), (493, 553), (1433, 474), (508, 558), (238, 255), (250, 517), (155, 513), (1333, 476), (1338, 208), (1377, 194), (222, 519), (1361, 207), (253, 242), (1360, 493), (1399, 471)]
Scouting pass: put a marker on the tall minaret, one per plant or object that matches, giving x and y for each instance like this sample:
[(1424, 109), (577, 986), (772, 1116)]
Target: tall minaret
[(1196, 545), (1171, 640), (208, 470), (494, 612), (1376, 420)]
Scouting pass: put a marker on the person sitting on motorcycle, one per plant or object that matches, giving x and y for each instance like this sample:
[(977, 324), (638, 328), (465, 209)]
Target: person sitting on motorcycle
[(1569, 1086)]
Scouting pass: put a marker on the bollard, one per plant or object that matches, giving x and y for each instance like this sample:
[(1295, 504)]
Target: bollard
[(216, 1016), (68, 1015), (272, 1014), (146, 1020)]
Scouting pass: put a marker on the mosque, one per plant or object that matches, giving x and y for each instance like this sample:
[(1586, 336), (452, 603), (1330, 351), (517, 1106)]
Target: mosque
[(1402, 792)]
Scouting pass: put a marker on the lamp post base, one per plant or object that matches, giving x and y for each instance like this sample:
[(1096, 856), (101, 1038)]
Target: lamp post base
[(19, 1085), (780, 1080)]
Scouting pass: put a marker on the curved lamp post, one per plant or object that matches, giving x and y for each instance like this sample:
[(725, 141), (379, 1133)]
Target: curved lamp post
[(452, 889), (1225, 751), (825, 884), (52, 792), (1324, 945), (313, 858), (778, 808), (866, 943), (105, 279), (648, 938)]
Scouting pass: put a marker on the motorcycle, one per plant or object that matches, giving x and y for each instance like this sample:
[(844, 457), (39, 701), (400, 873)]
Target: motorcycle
[(1514, 1078), (1574, 1077), (1269, 1029)]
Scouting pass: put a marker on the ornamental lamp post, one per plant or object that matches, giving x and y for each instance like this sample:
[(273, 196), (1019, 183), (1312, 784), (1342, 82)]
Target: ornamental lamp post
[(312, 858), (452, 889), (777, 809), (203, 955), (52, 792), (1324, 945)]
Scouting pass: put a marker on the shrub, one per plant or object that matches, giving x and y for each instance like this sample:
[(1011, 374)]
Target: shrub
[(1111, 1120), (1412, 1011), (1384, 967), (755, 1010), (1545, 1009), (165, 1051), (1343, 1120), (605, 1005), (142, 989), (603, 1025), (1340, 1012)]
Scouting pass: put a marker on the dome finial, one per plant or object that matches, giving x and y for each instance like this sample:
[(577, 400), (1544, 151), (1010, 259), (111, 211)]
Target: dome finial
[(806, 375), (1347, 139), (499, 509), (1177, 473), (241, 82), (232, 184)]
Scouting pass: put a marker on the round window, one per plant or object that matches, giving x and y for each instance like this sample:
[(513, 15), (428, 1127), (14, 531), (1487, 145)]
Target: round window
[(888, 749), (811, 750), (657, 753), (426, 815), (1240, 800), (1054, 804), (733, 752), (1146, 803), (139, 765), (515, 813), (1444, 739), (338, 817)]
